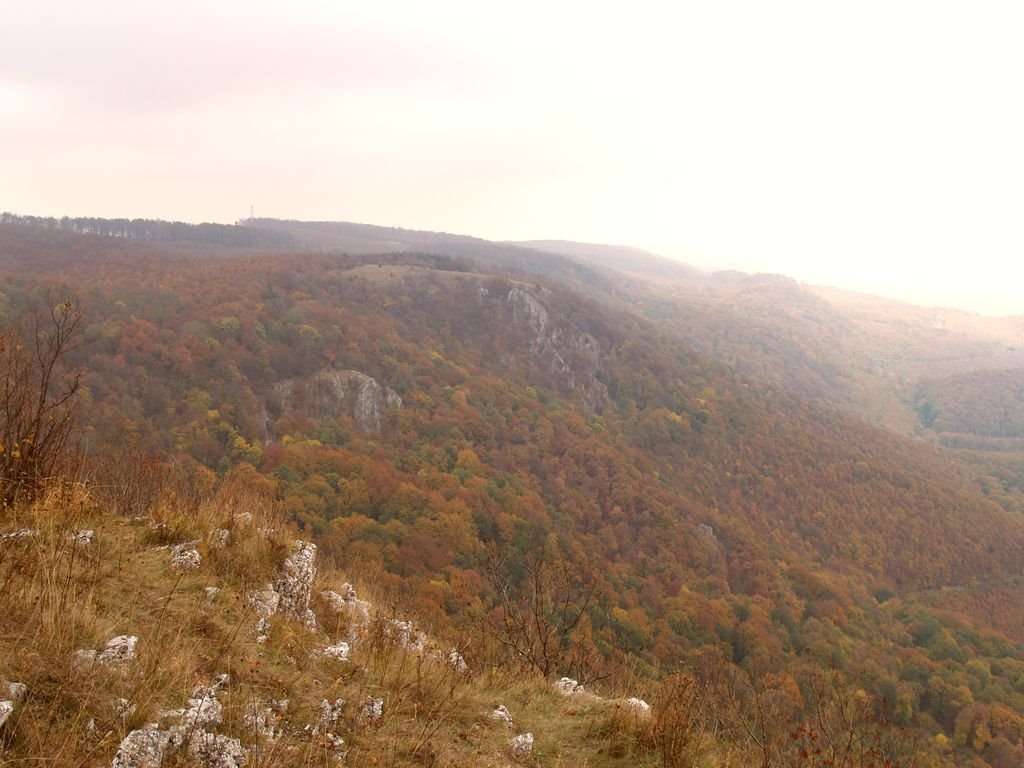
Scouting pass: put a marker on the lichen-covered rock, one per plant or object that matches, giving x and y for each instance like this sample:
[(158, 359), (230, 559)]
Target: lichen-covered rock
[(211, 594), (501, 713), (328, 716), (123, 709), (567, 686), (216, 751), (338, 651), (638, 707), (403, 633), (142, 748), (202, 711), (19, 535), (119, 651), (372, 710), (220, 538), (521, 745), (262, 630), (81, 538), (265, 601), (264, 719), (83, 660), (185, 557), (295, 584), (16, 691), (456, 662), (6, 710)]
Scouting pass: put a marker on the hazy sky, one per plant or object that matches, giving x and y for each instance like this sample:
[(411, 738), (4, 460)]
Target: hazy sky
[(874, 145)]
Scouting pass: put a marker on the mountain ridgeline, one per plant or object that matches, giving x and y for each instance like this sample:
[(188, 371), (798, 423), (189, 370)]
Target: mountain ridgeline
[(434, 411)]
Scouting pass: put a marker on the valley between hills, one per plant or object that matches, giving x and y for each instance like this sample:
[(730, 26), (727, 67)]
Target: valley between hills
[(786, 520)]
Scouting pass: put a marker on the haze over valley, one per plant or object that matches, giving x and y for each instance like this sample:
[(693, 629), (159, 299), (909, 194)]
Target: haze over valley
[(455, 385)]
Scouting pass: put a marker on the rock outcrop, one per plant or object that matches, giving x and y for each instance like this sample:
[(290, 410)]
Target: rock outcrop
[(502, 714), (191, 735), (185, 556), (521, 745), (568, 687), (340, 392), (572, 355)]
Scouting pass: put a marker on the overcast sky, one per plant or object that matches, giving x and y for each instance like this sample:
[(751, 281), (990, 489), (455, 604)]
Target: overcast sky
[(877, 146)]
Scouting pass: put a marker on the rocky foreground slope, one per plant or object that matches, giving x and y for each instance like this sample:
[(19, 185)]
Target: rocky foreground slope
[(207, 635)]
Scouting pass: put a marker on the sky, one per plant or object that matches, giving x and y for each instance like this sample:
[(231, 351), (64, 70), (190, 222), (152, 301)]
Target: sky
[(875, 146)]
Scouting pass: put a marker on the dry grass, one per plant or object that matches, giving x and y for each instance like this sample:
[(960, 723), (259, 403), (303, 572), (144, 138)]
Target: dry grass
[(56, 598)]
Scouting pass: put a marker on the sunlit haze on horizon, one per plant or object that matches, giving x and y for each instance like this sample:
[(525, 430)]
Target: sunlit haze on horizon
[(871, 146)]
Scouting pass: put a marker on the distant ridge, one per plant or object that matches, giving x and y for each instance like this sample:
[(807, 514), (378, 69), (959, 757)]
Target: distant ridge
[(623, 258)]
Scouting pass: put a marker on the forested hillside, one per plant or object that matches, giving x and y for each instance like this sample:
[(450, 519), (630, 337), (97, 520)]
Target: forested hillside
[(451, 425)]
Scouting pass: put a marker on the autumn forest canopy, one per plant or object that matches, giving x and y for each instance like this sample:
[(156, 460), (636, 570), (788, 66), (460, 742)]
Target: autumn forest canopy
[(725, 470)]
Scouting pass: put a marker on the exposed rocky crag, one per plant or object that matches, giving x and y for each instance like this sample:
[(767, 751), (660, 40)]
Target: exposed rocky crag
[(334, 393), (572, 355)]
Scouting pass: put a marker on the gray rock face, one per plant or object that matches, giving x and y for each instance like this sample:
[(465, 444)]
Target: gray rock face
[(572, 355), (214, 750), (185, 557), (290, 593), (521, 745), (527, 308), (295, 584), (502, 714), (338, 651), (24, 533), (81, 538), (372, 710), (568, 687), (192, 734), (264, 719), (333, 393), (15, 691), (638, 707), (119, 651), (142, 748)]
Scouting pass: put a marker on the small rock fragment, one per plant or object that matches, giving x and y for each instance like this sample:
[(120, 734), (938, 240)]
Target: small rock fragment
[(638, 707), (456, 662), (372, 710), (567, 686), (219, 538), (265, 601), (123, 709), (16, 691), (296, 581), (329, 715), (120, 650), (501, 713), (211, 594), (24, 533), (6, 710), (83, 660), (216, 751), (185, 557), (338, 651), (522, 745), (142, 748), (81, 538)]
